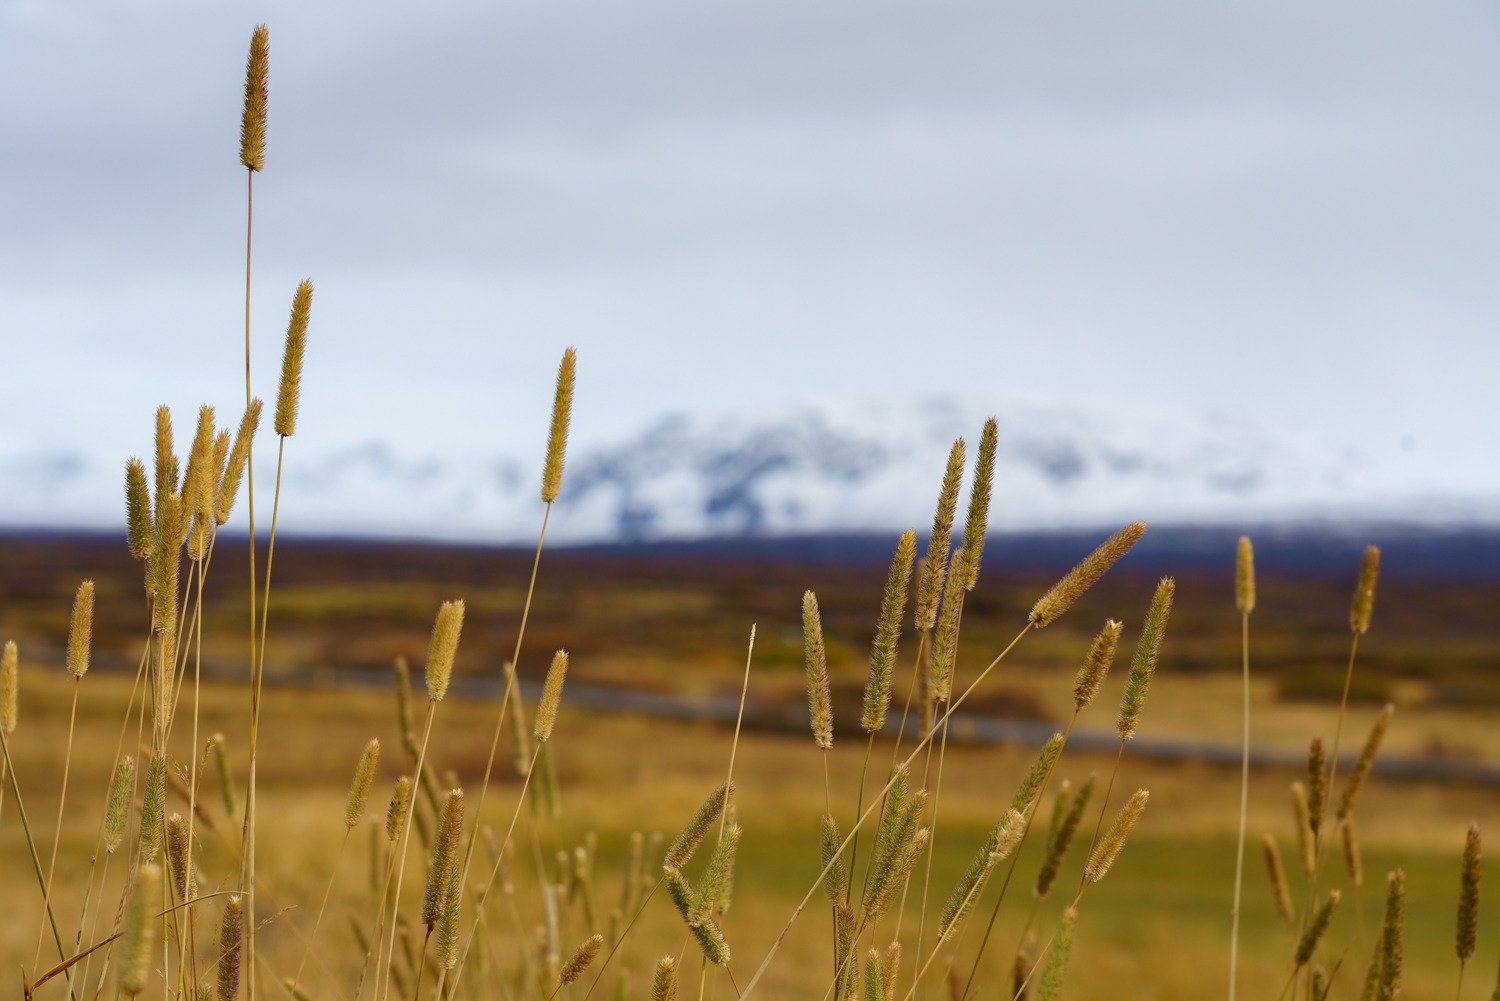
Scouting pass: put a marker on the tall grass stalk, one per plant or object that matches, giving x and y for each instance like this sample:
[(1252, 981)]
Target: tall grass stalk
[(1244, 594)]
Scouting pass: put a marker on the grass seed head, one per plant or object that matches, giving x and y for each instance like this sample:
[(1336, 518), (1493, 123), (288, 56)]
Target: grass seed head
[(443, 648), (1031, 782), (10, 684), (289, 392), (120, 787), (1060, 838), (1244, 576), (231, 931), (1060, 597), (234, 465), (930, 578), (1057, 960), (1364, 592), (1468, 897), (887, 633), (138, 532), (81, 630), (253, 118), (819, 700), (1143, 665), (580, 960), (1313, 934), (444, 857), (1353, 863), (978, 514), (395, 813), (546, 707), (836, 883), (359, 788), (950, 621), (1108, 850), (1317, 784), (683, 847), (557, 432), (1365, 762), (153, 807), (1096, 665), (664, 980), (1392, 935), (139, 931), (178, 867), (1281, 892)]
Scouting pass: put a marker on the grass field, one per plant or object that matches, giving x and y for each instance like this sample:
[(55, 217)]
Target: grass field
[(1156, 928)]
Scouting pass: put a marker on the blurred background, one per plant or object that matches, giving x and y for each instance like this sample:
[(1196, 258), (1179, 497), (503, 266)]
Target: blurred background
[(1227, 270)]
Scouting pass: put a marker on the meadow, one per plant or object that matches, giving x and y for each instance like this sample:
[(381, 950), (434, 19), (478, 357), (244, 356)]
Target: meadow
[(179, 814)]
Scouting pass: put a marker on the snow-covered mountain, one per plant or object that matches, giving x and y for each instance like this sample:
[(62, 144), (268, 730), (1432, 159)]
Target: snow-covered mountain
[(812, 471)]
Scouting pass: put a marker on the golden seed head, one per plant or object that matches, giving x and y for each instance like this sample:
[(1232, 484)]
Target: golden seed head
[(949, 623), (138, 532), (1244, 576), (1392, 933), (1366, 761), (253, 119), (546, 708), (166, 560), (1096, 665), (81, 630), (574, 967), (1364, 592), (664, 981), (1050, 606), (166, 459), (359, 789), (1315, 929), (443, 648), (930, 580), (1066, 817), (287, 396), (836, 882), (1317, 784), (139, 933), (1280, 891), (1468, 897), (681, 851), (395, 813), (200, 482), (10, 682), (979, 504), (557, 433), (1108, 849), (887, 633), (234, 466), (819, 699), (177, 858), (444, 856), (231, 930)]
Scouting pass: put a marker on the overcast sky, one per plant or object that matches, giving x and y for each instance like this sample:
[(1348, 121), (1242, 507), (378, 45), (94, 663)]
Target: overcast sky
[(1283, 215)]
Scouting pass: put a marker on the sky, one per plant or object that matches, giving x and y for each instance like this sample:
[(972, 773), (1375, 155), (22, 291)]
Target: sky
[(1261, 237)]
